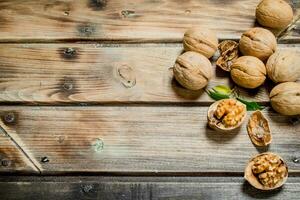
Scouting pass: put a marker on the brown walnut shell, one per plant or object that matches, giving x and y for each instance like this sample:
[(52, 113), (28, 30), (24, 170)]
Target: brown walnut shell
[(192, 70), (283, 66), (254, 179), (259, 130), (276, 14), (217, 124), (258, 42), (229, 52), (285, 98), (200, 40), (248, 72)]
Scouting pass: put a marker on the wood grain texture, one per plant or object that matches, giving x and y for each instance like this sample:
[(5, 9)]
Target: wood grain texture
[(129, 21), (139, 139), (140, 188), (96, 74)]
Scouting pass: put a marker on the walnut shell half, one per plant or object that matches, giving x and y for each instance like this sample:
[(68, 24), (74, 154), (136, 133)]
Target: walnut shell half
[(259, 130), (266, 171), (226, 115), (274, 13), (229, 52)]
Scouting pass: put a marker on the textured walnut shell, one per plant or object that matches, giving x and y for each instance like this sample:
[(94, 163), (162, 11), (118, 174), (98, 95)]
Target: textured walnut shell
[(276, 14), (200, 40), (258, 42), (283, 66), (285, 98), (259, 130), (192, 70), (248, 72), (251, 178), (229, 52), (216, 124)]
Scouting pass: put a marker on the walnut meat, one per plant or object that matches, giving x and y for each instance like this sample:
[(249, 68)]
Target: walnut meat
[(259, 130), (285, 98), (276, 14), (258, 42), (200, 40), (283, 66), (226, 115), (248, 72), (192, 70), (266, 171), (229, 52)]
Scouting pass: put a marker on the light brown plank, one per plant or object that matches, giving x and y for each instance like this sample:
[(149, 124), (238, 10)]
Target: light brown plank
[(12, 157), (132, 20), (138, 139), (43, 73), (137, 188)]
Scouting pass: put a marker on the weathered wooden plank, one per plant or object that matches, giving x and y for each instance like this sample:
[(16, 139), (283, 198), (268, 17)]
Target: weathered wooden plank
[(12, 157), (142, 139), (132, 20), (136, 188), (94, 73)]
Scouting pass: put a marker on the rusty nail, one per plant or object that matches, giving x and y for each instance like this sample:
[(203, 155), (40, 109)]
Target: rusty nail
[(296, 160), (5, 163), (9, 117), (44, 159), (68, 86), (87, 188), (70, 51)]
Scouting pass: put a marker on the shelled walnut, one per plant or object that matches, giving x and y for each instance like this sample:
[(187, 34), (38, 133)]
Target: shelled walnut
[(274, 13), (226, 115), (258, 42), (266, 171), (229, 52), (259, 130)]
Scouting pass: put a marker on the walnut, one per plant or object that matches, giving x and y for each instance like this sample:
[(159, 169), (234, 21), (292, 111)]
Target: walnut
[(258, 42), (283, 66), (266, 171), (248, 72), (226, 115), (276, 14), (285, 98), (229, 52), (259, 130), (200, 40), (192, 70)]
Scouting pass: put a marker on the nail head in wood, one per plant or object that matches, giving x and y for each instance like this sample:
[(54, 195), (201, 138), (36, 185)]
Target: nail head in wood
[(44, 159), (9, 118), (5, 163), (296, 160)]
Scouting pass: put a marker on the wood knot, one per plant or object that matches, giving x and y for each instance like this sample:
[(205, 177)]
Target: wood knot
[(126, 75), (97, 4), (67, 85), (9, 118), (127, 13)]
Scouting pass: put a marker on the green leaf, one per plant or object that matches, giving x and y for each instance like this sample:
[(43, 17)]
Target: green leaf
[(222, 89), (216, 96), (251, 105)]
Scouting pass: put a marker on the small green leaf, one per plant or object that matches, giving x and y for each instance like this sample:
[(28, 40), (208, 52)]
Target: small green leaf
[(222, 89), (251, 105), (216, 96)]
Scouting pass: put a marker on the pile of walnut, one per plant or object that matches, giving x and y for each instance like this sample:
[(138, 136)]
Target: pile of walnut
[(249, 62)]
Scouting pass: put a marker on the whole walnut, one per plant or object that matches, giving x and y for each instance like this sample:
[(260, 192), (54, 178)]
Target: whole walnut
[(192, 70), (285, 98), (283, 66), (200, 40), (248, 72), (276, 14), (258, 42)]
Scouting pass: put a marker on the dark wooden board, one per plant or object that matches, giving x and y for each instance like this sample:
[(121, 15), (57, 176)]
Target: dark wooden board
[(97, 74), (140, 139), (129, 21), (140, 188)]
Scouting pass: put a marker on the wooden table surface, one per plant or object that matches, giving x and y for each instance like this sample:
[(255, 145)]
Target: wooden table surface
[(90, 109)]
